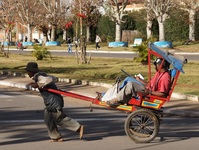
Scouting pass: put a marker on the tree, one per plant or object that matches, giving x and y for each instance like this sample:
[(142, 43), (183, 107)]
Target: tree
[(177, 26), (150, 17), (80, 16), (116, 11), (161, 10), (55, 14), (89, 15), (7, 22), (107, 29), (90, 9), (191, 6), (7, 18), (66, 18), (27, 12)]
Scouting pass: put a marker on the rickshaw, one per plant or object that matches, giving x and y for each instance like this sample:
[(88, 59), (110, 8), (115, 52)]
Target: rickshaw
[(144, 112)]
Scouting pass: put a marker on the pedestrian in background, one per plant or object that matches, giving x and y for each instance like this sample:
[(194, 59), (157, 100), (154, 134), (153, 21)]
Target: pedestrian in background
[(26, 38), (53, 112), (97, 41), (69, 45)]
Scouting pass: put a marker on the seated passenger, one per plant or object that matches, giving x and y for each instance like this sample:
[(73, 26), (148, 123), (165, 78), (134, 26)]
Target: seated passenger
[(158, 86), (112, 92)]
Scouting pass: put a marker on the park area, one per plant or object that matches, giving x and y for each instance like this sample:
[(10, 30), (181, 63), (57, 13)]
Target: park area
[(104, 70)]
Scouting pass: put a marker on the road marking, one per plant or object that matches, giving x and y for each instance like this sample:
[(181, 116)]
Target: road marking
[(41, 121), (9, 100), (8, 96), (5, 96)]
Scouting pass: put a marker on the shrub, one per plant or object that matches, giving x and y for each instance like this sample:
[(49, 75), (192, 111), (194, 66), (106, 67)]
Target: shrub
[(106, 28), (40, 52), (177, 26), (143, 52)]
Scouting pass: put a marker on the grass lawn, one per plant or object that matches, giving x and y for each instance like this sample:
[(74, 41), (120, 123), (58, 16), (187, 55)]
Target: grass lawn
[(104, 70)]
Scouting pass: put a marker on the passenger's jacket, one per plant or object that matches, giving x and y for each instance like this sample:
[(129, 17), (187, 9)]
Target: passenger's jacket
[(52, 101)]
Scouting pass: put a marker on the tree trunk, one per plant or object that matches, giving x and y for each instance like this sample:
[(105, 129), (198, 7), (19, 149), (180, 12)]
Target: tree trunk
[(83, 51), (76, 29), (53, 33), (10, 35), (29, 33), (87, 33), (161, 29), (192, 25), (45, 36), (149, 27), (64, 34), (118, 33)]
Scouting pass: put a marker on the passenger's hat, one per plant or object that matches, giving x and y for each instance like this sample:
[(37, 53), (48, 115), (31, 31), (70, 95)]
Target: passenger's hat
[(158, 61), (165, 65), (32, 67)]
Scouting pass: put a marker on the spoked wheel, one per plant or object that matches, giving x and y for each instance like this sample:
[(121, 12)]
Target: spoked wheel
[(142, 126)]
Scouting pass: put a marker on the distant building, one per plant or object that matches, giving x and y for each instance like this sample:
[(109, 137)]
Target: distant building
[(133, 7)]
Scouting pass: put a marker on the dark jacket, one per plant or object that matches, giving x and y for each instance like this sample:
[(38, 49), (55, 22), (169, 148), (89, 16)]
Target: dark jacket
[(52, 101)]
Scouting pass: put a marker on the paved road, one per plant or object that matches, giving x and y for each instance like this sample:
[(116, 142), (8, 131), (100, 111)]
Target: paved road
[(110, 54), (22, 127)]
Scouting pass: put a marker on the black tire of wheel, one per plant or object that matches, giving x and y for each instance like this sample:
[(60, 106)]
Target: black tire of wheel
[(135, 136)]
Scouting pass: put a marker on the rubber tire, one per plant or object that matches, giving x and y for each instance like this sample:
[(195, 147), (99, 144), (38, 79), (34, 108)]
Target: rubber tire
[(136, 136)]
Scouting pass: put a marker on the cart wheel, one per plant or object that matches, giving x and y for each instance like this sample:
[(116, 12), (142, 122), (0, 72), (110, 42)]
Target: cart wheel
[(142, 126)]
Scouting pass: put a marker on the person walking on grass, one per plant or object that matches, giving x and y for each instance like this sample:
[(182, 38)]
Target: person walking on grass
[(69, 45), (53, 112), (97, 41)]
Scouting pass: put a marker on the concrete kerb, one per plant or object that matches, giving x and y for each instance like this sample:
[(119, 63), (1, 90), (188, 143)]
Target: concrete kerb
[(189, 97), (168, 112), (83, 82)]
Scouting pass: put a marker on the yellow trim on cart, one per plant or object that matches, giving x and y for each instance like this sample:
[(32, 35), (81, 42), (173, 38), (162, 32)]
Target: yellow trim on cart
[(123, 107), (155, 104)]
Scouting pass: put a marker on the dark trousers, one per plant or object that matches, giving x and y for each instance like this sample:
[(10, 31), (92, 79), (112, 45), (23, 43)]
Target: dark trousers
[(128, 91), (58, 118), (97, 45)]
